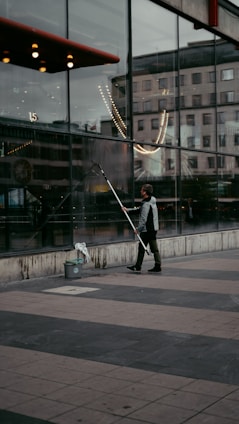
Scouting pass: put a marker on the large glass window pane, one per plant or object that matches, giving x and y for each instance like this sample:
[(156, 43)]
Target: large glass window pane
[(32, 99), (227, 59), (99, 95), (228, 191), (29, 97), (46, 15), (160, 168), (196, 58), (199, 198), (97, 215), (34, 190), (154, 71)]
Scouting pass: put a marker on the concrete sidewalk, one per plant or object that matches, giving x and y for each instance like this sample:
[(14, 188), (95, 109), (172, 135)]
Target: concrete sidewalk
[(121, 347)]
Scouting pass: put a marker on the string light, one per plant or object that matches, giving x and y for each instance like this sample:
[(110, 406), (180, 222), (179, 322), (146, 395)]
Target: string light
[(35, 53), (160, 138), (6, 57), (70, 62), (121, 127), (16, 149), (42, 66), (115, 110), (122, 131)]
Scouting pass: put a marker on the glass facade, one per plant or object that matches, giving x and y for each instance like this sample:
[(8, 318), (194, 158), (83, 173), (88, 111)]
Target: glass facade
[(167, 113)]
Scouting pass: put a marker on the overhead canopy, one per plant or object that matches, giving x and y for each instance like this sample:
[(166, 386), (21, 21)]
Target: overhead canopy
[(18, 42)]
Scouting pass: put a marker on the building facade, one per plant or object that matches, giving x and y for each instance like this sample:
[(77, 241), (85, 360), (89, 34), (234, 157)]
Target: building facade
[(147, 89)]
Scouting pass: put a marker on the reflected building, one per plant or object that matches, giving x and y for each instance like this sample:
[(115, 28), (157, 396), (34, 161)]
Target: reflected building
[(186, 127)]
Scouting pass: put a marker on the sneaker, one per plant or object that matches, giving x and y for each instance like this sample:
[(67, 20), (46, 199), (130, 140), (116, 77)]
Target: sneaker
[(156, 268), (134, 268)]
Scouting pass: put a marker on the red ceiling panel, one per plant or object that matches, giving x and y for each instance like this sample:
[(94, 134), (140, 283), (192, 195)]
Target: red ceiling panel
[(16, 42)]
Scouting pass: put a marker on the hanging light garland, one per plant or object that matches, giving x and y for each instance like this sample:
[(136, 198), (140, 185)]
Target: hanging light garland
[(160, 138), (121, 127), (117, 124), (16, 149)]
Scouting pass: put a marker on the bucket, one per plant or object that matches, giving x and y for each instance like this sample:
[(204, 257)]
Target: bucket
[(73, 269)]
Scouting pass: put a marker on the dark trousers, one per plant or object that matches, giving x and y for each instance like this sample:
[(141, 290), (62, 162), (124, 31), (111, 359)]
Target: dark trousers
[(148, 238)]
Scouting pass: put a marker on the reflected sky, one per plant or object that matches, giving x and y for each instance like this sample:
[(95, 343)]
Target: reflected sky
[(154, 29)]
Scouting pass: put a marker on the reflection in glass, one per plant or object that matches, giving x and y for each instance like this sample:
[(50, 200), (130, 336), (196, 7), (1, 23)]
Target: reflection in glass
[(99, 95), (228, 192), (97, 216), (196, 59), (154, 65), (154, 111), (35, 199), (199, 199), (29, 97), (160, 169), (45, 15), (227, 60)]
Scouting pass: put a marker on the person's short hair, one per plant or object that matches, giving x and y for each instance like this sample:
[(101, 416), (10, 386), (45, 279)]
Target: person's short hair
[(148, 189)]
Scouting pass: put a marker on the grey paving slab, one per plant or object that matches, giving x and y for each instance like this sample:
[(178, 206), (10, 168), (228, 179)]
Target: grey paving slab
[(225, 408), (9, 399), (209, 419), (39, 407), (34, 386), (164, 414), (147, 392), (212, 388), (85, 416), (191, 401)]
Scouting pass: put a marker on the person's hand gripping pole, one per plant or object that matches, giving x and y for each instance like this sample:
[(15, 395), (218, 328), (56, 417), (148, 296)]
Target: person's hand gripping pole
[(123, 209)]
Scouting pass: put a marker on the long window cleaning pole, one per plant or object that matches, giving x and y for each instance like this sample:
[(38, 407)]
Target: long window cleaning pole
[(121, 205)]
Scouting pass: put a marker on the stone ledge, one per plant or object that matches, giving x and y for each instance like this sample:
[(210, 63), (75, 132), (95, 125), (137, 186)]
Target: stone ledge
[(52, 263)]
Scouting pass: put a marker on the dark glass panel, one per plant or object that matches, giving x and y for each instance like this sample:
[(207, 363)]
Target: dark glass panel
[(97, 215), (199, 199), (34, 190)]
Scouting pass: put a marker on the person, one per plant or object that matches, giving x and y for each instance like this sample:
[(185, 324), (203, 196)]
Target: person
[(147, 228)]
